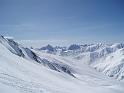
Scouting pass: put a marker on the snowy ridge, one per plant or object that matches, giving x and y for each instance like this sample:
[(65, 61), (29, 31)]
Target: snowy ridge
[(27, 53), (11, 45)]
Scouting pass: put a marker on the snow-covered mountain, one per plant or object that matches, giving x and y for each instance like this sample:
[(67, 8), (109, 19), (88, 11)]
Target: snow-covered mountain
[(106, 58), (24, 70)]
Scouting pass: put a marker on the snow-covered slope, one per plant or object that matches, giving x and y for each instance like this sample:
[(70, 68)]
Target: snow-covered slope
[(28, 54), (24, 74)]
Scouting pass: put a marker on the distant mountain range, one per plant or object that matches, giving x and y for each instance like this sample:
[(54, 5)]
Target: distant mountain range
[(107, 58)]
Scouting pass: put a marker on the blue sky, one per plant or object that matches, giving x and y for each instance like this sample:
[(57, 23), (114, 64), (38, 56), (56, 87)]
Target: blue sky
[(71, 20)]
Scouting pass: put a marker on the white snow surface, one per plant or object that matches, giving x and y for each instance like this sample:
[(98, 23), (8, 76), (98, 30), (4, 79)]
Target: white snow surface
[(23, 75)]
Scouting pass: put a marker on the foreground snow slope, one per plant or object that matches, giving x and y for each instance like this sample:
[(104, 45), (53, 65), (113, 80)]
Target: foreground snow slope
[(20, 75)]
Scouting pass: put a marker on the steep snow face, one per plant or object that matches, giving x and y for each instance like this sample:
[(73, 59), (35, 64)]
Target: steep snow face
[(17, 49), (112, 65), (11, 45), (28, 54)]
